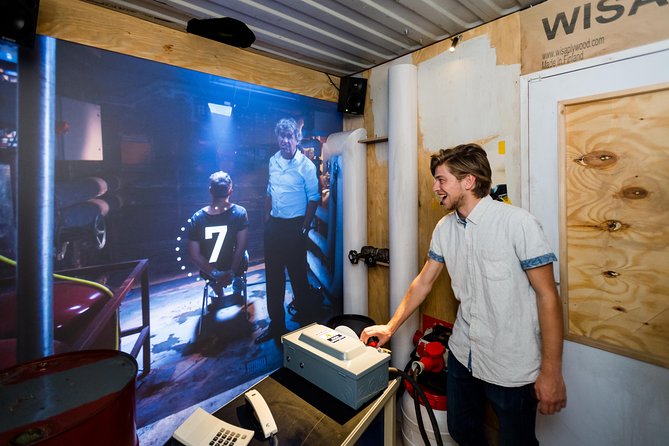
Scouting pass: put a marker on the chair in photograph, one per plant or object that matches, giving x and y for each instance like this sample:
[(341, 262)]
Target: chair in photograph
[(239, 286)]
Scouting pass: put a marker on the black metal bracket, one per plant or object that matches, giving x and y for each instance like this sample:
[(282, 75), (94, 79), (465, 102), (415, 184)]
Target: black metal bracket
[(371, 256)]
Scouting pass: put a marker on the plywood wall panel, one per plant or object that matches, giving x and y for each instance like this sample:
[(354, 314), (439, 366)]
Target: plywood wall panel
[(378, 233), (616, 200), (92, 25), (441, 303)]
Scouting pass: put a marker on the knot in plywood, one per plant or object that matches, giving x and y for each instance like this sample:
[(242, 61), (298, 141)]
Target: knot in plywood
[(599, 159), (613, 225), (634, 193)]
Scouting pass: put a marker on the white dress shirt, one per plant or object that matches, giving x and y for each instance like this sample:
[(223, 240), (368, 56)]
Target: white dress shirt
[(496, 332), (292, 183)]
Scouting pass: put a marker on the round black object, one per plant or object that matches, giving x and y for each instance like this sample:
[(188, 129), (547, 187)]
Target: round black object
[(355, 322), (222, 29)]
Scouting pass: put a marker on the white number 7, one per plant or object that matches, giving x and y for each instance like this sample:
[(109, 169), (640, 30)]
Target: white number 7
[(209, 232)]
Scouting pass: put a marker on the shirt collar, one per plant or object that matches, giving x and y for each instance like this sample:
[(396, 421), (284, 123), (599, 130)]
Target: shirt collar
[(478, 211), (296, 157)]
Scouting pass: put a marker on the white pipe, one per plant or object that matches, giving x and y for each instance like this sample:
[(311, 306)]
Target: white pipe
[(403, 198), (354, 200)]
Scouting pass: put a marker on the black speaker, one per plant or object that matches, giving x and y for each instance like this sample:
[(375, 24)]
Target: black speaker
[(224, 29), (352, 95), (18, 21)]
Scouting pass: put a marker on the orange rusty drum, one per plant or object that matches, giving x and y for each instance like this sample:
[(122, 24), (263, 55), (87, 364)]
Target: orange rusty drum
[(76, 398)]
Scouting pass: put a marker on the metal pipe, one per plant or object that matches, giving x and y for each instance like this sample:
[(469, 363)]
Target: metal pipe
[(36, 161)]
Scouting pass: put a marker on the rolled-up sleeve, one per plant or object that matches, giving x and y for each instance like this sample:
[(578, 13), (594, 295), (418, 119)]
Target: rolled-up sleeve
[(310, 181), (531, 244)]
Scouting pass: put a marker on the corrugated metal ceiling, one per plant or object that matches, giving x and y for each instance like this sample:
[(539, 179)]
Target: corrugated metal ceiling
[(338, 37)]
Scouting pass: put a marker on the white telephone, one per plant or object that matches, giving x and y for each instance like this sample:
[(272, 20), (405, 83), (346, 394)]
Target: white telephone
[(202, 429), (261, 412)]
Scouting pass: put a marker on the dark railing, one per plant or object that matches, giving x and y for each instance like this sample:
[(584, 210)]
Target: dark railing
[(139, 273), (96, 329)]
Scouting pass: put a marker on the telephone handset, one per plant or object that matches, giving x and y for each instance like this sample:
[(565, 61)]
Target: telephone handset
[(202, 428), (261, 412)]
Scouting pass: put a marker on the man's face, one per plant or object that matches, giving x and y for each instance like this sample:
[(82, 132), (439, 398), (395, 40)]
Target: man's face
[(287, 144), (450, 191)]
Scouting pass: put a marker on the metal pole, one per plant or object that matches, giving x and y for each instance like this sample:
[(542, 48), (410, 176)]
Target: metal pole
[(36, 160)]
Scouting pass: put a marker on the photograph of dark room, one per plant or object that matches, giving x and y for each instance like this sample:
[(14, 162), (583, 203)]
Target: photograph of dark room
[(136, 145), (334, 222)]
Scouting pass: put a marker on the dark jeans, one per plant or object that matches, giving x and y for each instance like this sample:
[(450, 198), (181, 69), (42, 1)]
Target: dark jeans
[(285, 249), (516, 408)]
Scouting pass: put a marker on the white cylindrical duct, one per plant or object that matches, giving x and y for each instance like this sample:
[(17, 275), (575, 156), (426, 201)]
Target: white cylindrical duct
[(354, 200), (402, 198)]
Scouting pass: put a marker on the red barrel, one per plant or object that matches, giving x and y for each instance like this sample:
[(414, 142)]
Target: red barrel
[(76, 398)]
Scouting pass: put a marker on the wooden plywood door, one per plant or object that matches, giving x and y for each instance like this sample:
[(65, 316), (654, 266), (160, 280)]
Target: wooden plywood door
[(614, 183)]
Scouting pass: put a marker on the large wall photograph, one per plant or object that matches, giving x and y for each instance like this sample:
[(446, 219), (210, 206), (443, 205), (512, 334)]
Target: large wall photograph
[(137, 143)]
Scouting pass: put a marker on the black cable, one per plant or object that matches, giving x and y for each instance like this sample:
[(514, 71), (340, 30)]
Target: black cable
[(419, 419), (416, 404), (428, 408), (330, 79)]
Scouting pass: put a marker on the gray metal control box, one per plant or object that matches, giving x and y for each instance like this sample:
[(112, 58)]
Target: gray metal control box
[(340, 365)]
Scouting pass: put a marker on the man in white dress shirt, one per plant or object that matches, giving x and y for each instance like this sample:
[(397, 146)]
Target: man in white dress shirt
[(506, 345), (292, 199)]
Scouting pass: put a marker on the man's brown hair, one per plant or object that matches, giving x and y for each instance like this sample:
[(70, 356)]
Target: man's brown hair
[(463, 160)]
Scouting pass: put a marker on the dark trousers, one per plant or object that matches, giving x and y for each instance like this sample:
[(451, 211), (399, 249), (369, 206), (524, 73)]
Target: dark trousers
[(285, 249), (515, 407)]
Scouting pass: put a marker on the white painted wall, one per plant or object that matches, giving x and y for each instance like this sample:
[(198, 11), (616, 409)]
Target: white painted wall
[(612, 400), (463, 96)]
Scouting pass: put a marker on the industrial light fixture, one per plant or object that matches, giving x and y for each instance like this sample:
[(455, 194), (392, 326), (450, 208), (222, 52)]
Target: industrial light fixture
[(454, 42), (218, 109)]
